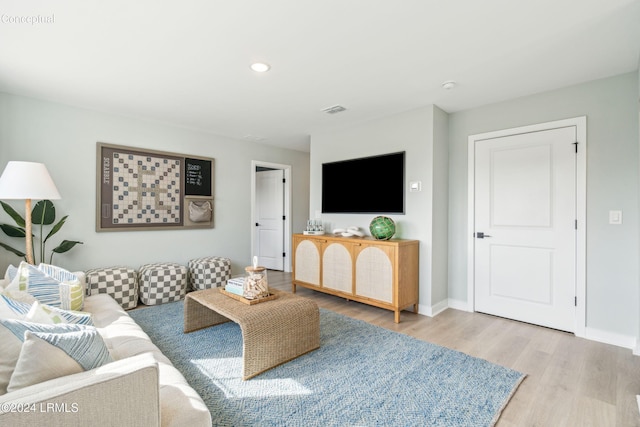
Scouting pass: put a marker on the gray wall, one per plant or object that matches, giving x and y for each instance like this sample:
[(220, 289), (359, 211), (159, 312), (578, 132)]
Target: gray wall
[(413, 132), (611, 107), (64, 138), (439, 263)]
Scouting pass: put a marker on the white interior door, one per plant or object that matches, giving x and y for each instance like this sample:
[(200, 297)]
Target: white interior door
[(269, 238), (525, 227)]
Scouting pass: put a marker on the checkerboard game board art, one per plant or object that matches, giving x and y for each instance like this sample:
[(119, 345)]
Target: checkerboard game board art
[(146, 189)]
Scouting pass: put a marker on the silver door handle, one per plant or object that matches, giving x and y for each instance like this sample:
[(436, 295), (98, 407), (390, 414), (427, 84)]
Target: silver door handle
[(481, 235)]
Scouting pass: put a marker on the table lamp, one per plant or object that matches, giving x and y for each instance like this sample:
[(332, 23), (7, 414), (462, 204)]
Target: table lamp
[(27, 180)]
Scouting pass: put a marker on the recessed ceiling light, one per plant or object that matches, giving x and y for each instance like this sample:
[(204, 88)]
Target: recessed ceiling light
[(260, 67), (449, 84)]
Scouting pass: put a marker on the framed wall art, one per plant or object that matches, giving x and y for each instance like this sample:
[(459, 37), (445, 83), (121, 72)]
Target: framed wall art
[(140, 189)]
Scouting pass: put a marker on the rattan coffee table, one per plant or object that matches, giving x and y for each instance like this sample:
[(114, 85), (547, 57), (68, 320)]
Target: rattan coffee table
[(273, 332)]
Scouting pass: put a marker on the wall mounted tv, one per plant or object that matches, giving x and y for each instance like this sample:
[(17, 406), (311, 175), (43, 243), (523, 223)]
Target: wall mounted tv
[(368, 185)]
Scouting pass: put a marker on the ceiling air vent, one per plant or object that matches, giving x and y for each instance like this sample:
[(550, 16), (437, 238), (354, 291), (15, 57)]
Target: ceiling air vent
[(333, 110)]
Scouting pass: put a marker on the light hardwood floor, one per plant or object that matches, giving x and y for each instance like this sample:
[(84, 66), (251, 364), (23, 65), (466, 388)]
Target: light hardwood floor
[(570, 381)]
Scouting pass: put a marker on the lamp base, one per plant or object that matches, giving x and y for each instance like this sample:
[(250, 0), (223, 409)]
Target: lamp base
[(28, 234)]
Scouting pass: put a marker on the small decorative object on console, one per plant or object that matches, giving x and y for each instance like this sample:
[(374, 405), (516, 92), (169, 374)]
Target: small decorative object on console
[(382, 228), (349, 232), (314, 228)]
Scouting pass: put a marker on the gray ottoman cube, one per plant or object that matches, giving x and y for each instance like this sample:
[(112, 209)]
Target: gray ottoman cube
[(160, 283), (121, 283), (209, 272)]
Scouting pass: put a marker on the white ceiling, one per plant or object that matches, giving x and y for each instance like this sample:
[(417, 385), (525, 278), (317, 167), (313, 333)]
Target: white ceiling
[(187, 62)]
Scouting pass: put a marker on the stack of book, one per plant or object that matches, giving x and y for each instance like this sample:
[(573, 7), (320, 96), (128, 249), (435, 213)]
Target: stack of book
[(235, 286)]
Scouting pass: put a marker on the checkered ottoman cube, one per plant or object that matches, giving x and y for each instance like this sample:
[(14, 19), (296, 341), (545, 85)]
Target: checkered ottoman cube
[(121, 283), (209, 272), (162, 282)]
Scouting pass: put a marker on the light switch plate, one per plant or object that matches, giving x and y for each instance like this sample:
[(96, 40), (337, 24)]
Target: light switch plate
[(615, 217)]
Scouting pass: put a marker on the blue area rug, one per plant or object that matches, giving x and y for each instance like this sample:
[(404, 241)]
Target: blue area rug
[(362, 375)]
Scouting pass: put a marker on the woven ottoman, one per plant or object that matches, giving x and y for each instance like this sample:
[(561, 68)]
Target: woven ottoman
[(121, 283), (162, 282), (209, 272)]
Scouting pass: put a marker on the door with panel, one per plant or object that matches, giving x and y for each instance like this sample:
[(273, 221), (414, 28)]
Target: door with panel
[(525, 227)]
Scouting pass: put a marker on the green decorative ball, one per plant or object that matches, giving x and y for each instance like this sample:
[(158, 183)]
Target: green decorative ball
[(382, 227)]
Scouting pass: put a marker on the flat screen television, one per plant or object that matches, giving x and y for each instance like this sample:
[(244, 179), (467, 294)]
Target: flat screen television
[(368, 185)]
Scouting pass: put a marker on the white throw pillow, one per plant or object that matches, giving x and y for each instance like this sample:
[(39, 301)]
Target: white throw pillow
[(40, 313)]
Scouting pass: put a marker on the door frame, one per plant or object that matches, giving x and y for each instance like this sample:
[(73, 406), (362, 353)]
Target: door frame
[(287, 208), (581, 209)]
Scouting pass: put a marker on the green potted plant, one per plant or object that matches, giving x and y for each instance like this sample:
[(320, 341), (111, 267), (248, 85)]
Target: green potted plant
[(43, 214)]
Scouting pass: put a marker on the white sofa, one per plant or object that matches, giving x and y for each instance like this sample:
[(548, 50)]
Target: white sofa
[(140, 388)]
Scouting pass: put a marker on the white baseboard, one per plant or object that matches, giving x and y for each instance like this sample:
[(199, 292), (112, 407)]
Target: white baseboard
[(612, 338), (433, 310), (439, 307), (425, 310), (459, 305), (592, 334)]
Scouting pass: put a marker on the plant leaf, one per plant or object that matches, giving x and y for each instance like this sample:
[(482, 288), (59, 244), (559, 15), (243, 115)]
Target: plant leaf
[(10, 249), (12, 231), (65, 246), (56, 227), (13, 214), (43, 213)]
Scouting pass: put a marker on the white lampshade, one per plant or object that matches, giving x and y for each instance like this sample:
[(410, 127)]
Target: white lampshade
[(27, 180)]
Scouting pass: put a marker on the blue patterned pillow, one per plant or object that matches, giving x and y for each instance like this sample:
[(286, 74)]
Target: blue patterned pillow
[(11, 337), (40, 313), (46, 355), (66, 293), (12, 309), (85, 346)]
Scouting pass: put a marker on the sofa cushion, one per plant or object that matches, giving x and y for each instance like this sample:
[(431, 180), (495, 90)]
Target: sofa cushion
[(66, 294), (45, 356), (180, 403)]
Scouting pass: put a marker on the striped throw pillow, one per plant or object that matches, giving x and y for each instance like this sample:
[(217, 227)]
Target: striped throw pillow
[(40, 313), (66, 294), (11, 336), (48, 355), (12, 309)]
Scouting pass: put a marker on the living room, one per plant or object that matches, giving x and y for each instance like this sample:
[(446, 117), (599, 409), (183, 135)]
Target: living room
[(46, 117)]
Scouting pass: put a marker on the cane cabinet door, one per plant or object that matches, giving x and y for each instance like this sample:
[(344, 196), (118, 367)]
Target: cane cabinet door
[(337, 267), (374, 272)]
